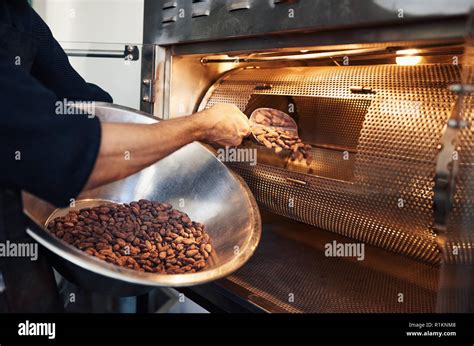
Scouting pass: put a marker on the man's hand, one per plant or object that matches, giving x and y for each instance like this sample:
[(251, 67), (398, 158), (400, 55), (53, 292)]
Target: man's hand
[(222, 124)]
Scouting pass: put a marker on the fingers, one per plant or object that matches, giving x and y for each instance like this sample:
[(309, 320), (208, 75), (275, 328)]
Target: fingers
[(237, 141), (247, 132), (244, 129), (244, 126), (244, 117), (226, 124), (233, 142)]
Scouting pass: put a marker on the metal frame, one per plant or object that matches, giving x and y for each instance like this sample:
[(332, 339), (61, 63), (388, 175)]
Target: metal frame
[(447, 166), (148, 71), (252, 34), (168, 24)]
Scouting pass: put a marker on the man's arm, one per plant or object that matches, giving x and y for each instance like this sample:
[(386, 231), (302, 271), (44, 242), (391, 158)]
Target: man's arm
[(222, 124), (53, 156)]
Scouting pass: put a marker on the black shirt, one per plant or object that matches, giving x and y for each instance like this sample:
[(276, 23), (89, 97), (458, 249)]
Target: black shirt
[(48, 154)]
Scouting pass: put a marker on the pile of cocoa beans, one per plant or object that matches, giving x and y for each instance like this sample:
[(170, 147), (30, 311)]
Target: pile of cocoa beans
[(279, 139), (146, 236)]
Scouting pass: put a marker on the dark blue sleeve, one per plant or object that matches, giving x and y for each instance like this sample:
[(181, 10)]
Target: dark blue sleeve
[(47, 154)]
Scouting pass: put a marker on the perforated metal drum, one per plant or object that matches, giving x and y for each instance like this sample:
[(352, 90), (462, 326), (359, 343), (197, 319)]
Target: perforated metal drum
[(376, 132)]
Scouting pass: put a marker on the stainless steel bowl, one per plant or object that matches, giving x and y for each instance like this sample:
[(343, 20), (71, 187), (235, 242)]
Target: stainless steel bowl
[(193, 180)]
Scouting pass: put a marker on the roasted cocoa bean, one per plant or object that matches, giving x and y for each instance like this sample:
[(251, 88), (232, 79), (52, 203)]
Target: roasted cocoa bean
[(191, 253), (162, 254), (144, 235), (188, 241)]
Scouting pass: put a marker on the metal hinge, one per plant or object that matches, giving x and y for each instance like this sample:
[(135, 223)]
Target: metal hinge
[(131, 53), (148, 90), (447, 165)]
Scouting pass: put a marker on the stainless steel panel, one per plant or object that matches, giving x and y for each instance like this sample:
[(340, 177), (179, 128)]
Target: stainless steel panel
[(285, 17)]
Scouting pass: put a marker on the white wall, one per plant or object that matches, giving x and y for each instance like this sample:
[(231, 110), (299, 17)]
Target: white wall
[(111, 21), (100, 24)]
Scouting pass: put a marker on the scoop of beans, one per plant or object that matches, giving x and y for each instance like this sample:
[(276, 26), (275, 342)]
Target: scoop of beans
[(275, 131), (144, 235), (280, 139)]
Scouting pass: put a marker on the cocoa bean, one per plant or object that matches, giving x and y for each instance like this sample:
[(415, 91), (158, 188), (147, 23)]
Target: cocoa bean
[(145, 236), (162, 255), (191, 253)]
